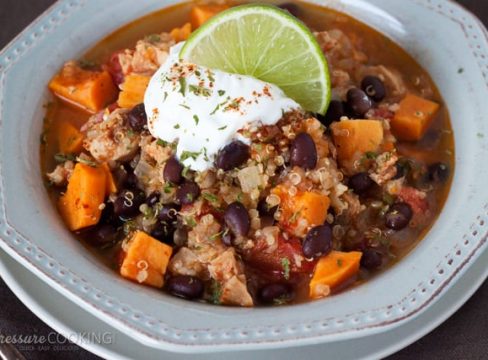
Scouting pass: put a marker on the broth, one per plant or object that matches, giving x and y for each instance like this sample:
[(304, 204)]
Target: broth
[(436, 146)]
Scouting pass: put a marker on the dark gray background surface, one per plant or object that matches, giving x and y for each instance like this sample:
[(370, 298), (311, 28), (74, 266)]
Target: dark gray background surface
[(463, 336)]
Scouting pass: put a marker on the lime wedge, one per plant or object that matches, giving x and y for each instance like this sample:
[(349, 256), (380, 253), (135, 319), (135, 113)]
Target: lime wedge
[(268, 43)]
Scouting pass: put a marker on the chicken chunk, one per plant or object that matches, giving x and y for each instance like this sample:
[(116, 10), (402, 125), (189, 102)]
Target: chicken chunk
[(207, 258), (112, 140), (61, 174), (149, 54)]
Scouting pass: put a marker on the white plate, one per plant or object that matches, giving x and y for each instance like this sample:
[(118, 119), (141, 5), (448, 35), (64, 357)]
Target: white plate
[(69, 319), (441, 35)]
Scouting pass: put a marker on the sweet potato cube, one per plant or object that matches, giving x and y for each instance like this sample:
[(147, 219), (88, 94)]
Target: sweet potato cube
[(333, 270), (133, 89), (201, 13), (90, 90), (181, 33), (111, 184), (413, 118), (352, 137), (146, 260), (70, 139), (80, 205), (307, 205)]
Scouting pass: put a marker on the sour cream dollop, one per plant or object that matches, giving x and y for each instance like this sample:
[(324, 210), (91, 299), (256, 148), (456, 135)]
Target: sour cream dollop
[(203, 109)]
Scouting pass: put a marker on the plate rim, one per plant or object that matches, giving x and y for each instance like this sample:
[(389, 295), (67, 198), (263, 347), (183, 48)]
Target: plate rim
[(165, 341), (65, 330)]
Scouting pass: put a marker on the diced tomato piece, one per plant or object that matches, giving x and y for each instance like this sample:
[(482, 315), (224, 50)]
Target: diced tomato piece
[(115, 69), (382, 113), (415, 198), (288, 256)]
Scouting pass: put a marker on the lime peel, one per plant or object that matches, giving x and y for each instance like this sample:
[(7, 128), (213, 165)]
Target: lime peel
[(268, 43)]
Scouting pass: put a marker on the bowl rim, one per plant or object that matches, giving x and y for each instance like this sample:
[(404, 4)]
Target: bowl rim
[(72, 285)]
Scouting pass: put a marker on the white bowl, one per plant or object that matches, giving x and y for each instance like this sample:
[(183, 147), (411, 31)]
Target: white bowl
[(442, 36)]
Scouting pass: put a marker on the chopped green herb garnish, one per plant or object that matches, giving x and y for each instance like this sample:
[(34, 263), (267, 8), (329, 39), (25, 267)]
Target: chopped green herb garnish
[(210, 75), (190, 221), (129, 226), (165, 96), (61, 158), (182, 81), (221, 92), (371, 155), (215, 110), (87, 161), (189, 155), (177, 126), (185, 171), (239, 196), (222, 128), (209, 196), (460, 70), (153, 38), (282, 300), (195, 117), (148, 212), (339, 262), (285, 263), (216, 236), (199, 90), (161, 142), (197, 73), (216, 292), (167, 188), (130, 133), (185, 106)]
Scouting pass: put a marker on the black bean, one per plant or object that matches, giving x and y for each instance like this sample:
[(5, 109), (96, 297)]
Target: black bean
[(303, 152), (292, 8), (187, 193), (360, 183), (137, 117), (163, 232), (232, 155), (374, 88), (180, 237), (125, 177), (228, 237), (108, 216), (168, 213), (318, 242), (334, 113), (274, 292), (401, 170), (267, 220), (131, 181), (264, 209), (127, 203), (438, 172), (103, 235), (371, 259), (184, 286), (398, 216), (237, 219), (358, 102), (172, 171), (153, 199)]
